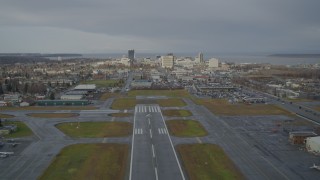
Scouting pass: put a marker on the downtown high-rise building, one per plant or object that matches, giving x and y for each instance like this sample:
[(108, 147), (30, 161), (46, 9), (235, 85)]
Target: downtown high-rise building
[(199, 59), (131, 54)]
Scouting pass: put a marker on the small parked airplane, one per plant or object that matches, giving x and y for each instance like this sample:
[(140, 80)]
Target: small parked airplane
[(315, 167), (5, 154)]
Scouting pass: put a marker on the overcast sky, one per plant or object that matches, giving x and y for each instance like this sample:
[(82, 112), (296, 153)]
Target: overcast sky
[(113, 26)]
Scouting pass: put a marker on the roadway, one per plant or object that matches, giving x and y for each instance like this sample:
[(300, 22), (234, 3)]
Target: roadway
[(128, 82), (152, 154)]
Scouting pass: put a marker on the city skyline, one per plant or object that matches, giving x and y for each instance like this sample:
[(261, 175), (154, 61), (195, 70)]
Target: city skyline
[(167, 26)]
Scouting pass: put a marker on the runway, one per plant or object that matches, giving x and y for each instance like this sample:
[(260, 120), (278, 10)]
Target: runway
[(152, 154)]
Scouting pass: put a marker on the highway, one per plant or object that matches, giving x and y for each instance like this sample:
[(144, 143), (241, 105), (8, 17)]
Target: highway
[(152, 154)]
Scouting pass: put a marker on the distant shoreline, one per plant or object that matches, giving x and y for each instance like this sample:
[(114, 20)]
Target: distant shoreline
[(296, 55), (38, 55)]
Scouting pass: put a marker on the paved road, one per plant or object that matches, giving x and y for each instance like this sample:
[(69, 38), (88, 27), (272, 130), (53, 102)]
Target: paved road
[(128, 83), (153, 155)]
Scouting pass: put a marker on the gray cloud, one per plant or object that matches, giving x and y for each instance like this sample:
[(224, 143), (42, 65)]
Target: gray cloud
[(167, 25)]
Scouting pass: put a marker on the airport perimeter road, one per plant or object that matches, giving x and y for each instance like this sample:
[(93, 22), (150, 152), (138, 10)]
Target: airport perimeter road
[(152, 153)]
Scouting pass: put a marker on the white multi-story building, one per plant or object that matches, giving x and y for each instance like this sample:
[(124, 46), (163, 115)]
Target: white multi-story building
[(213, 63), (185, 62), (125, 61), (167, 61)]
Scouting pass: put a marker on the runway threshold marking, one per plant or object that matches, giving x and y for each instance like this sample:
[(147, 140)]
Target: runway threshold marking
[(138, 131), (162, 131)]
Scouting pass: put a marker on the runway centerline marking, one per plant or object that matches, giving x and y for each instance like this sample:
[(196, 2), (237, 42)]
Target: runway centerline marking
[(153, 154), (156, 172)]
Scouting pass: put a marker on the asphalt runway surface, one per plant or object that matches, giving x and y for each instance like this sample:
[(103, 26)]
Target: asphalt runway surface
[(153, 155)]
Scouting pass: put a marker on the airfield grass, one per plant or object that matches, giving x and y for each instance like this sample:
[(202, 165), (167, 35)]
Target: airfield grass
[(6, 116), (89, 161), (22, 130), (208, 162), (169, 93), (300, 100), (296, 122), (124, 103), (222, 107), (45, 108), (108, 95), (177, 113), (172, 102), (96, 129), (53, 115), (102, 83), (186, 128), (121, 114)]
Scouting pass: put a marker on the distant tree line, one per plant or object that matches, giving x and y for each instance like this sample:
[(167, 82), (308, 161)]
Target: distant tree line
[(14, 85), (16, 59)]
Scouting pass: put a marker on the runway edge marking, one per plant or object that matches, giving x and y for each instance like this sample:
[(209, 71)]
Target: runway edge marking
[(174, 152), (134, 125)]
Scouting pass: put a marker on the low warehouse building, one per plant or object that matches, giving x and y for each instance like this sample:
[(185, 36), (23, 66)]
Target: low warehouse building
[(86, 87), (62, 102), (313, 145), (72, 97), (299, 137)]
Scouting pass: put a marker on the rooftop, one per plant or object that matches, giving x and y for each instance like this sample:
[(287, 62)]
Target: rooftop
[(85, 86)]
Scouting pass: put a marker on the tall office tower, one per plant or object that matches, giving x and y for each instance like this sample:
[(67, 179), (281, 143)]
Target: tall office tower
[(199, 58), (131, 54)]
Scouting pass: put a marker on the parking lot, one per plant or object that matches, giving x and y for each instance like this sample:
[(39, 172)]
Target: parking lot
[(266, 134)]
